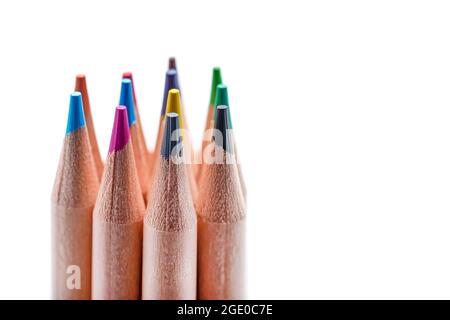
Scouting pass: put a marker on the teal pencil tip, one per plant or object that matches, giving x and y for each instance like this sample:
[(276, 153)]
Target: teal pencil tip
[(127, 100)]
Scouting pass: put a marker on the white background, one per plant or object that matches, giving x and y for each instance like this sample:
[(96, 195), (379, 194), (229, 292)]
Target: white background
[(341, 110)]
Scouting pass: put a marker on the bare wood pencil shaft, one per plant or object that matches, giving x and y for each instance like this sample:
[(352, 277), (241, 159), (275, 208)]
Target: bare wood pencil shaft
[(71, 247), (221, 260), (170, 264), (117, 271)]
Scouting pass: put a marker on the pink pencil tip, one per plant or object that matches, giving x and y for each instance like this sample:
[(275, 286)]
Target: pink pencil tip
[(127, 75), (121, 132)]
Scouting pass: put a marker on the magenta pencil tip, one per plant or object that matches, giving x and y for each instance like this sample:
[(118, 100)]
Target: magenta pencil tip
[(121, 131)]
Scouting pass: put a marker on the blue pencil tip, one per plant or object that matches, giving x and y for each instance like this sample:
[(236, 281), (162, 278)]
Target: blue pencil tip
[(76, 113), (127, 100), (171, 83)]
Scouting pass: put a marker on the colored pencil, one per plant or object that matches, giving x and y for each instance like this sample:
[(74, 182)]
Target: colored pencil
[(174, 105), (209, 123), (221, 98), (73, 200), (221, 221), (81, 86), (170, 230), (139, 149), (117, 220)]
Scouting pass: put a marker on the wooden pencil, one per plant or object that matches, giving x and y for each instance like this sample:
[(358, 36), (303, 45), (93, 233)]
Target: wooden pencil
[(209, 123), (81, 86), (73, 200), (221, 98), (170, 230), (139, 148), (174, 105), (221, 221), (117, 220)]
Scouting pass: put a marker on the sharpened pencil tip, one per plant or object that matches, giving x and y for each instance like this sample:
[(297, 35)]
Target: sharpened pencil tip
[(216, 80), (127, 100), (121, 131), (222, 99), (222, 126), (172, 135), (221, 95), (127, 75), (171, 83), (172, 63), (80, 77), (174, 104), (76, 113)]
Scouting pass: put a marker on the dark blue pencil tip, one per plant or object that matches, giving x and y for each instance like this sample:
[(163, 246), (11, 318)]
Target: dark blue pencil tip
[(172, 135), (171, 83), (222, 135), (127, 100), (76, 113)]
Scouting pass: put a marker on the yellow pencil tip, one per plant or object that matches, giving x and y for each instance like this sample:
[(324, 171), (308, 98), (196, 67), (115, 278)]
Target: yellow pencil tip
[(174, 104)]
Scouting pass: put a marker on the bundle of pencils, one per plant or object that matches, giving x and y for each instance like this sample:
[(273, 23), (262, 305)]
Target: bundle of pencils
[(166, 223)]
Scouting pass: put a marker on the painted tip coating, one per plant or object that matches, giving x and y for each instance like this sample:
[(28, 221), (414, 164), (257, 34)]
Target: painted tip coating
[(172, 63), (76, 113), (121, 131), (222, 126), (221, 95), (127, 75), (222, 99), (216, 80), (80, 78), (171, 83), (174, 104), (172, 135), (127, 100)]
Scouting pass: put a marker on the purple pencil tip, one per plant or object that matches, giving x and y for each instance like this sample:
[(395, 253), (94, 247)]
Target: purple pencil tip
[(121, 131), (172, 63)]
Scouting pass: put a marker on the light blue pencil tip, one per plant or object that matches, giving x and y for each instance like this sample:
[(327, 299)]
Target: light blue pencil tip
[(76, 113), (127, 100)]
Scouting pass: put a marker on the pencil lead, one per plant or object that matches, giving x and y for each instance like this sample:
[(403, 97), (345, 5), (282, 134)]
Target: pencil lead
[(172, 63), (171, 83), (216, 80), (121, 131), (222, 99), (171, 135), (221, 95), (76, 113), (127, 75), (174, 104), (126, 99), (223, 125)]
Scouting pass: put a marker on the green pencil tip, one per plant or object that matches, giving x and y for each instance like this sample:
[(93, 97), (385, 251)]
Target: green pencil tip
[(216, 79), (221, 96), (222, 100)]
